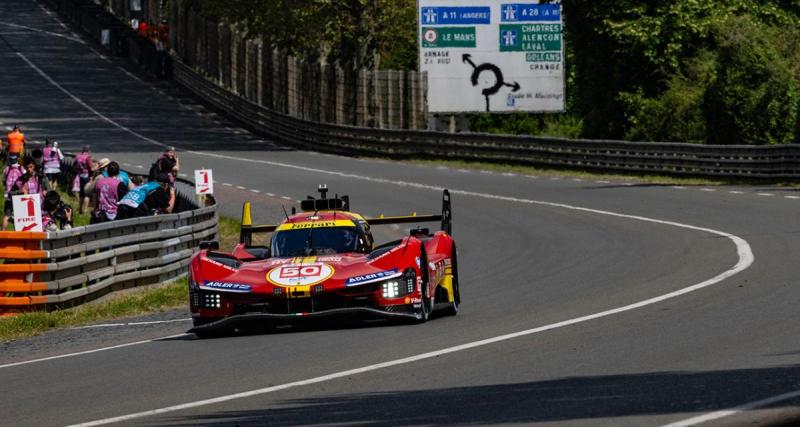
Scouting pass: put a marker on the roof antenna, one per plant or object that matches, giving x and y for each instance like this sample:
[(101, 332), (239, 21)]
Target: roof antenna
[(284, 212), (323, 190)]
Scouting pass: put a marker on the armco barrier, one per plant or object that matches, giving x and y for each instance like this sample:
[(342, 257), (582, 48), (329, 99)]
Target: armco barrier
[(730, 161), (66, 268)]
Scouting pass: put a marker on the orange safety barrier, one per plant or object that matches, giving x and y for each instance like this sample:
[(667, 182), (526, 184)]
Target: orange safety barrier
[(16, 280)]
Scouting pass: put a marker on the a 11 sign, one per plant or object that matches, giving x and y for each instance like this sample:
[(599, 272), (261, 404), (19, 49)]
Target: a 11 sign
[(203, 182)]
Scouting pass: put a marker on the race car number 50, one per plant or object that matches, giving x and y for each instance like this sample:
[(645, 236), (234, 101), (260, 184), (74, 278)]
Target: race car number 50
[(300, 275)]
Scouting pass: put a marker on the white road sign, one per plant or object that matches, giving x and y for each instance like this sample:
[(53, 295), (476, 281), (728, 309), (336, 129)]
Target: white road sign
[(492, 55), (203, 182), (27, 212)]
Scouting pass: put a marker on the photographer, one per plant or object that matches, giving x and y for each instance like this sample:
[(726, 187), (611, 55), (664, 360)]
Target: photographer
[(33, 181), (152, 198), (52, 161), (56, 215), (108, 190)]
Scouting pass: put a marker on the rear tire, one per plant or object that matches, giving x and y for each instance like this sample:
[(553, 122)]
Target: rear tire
[(453, 309)]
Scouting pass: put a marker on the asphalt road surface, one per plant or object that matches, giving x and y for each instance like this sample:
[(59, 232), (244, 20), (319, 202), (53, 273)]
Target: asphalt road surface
[(585, 301)]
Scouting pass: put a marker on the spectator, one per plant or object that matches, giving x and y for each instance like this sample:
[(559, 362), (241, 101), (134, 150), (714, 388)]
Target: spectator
[(149, 199), (16, 141), (52, 161), (32, 181), (11, 174), (82, 167), (108, 190), (56, 215), (144, 28), (123, 177), (98, 171)]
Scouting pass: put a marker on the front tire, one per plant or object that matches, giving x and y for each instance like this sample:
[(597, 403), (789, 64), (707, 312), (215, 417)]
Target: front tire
[(427, 305)]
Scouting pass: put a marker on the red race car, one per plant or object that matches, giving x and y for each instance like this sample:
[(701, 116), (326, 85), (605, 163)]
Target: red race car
[(321, 263)]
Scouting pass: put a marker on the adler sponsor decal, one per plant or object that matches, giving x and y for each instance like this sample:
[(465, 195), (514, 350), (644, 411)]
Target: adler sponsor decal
[(226, 286), (372, 277)]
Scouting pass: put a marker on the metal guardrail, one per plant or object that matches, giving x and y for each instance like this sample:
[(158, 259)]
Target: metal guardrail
[(676, 159), (66, 268)]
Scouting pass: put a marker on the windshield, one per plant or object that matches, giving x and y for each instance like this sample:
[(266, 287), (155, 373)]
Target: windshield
[(314, 241)]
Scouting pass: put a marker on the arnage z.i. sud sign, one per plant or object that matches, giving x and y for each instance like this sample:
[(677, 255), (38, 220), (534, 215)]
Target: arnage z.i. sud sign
[(492, 55)]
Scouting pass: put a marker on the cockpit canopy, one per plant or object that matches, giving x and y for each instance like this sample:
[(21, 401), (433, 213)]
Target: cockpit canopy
[(292, 240)]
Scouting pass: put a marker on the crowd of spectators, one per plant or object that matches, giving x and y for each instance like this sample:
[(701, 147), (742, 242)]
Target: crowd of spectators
[(102, 188)]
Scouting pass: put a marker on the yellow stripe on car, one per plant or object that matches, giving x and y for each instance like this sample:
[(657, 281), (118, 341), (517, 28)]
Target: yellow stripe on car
[(315, 224)]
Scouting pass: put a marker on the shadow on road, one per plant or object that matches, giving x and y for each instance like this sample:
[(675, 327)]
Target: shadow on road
[(564, 399)]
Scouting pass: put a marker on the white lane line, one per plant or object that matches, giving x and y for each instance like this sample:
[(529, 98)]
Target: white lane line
[(708, 190), (36, 30), (765, 194), (270, 194), (604, 182), (286, 198), (487, 172), (577, 180), (182, 175), (736, 192), (678, 187), (509, 174), (463, 170), (240, 187), (125, 164), (140, 166), (700, 419), (131, 75), (97, 350), (227, 184), (152, 322), (743, 250), (253, 190), (792, 197)]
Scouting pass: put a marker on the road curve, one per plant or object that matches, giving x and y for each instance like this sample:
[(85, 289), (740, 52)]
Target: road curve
[(565, 283)]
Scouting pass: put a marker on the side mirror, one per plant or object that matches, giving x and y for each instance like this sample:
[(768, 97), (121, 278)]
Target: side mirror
[(210, 245)]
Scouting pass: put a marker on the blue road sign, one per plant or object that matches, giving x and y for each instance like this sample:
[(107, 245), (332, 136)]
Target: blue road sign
[(455, 15), (522, 12)]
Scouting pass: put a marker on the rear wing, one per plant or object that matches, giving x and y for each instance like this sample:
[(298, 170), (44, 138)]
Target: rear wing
[(446, 219)]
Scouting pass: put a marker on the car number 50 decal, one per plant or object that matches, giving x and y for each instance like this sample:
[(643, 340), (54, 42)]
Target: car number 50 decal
[(300, 274)]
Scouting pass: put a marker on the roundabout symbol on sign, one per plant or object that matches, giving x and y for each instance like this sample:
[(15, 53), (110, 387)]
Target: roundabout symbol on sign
[(498, 75)]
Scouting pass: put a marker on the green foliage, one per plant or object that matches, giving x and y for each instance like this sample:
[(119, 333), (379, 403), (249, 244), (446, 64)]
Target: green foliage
[(706, 71), (555, 125)]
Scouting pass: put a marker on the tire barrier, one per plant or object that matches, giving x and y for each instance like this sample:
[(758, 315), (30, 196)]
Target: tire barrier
[(46, 271)]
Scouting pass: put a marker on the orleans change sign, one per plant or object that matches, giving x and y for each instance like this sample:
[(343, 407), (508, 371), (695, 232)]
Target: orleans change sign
[(492, 56)]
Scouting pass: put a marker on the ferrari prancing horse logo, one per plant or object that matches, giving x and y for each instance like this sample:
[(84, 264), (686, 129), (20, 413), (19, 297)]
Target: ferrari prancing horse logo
[(300, 274)]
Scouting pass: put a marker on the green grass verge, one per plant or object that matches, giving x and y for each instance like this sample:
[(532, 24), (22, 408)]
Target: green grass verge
[(128, 303), (143, 301)]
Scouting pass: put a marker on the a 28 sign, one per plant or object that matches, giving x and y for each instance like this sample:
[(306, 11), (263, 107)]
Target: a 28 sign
[(203, 182)]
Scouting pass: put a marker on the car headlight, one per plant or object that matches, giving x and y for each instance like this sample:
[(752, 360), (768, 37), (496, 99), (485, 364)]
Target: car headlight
[(399, 286)]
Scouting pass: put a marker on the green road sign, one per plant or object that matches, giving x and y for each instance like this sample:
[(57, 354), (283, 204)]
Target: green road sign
[(530, 38), (448, 37), (543, 57)]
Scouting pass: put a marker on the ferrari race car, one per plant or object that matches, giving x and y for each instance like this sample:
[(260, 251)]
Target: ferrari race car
[(321, 263)]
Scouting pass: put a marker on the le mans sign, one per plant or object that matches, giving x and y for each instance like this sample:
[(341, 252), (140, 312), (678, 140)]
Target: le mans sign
[(492, 55)]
